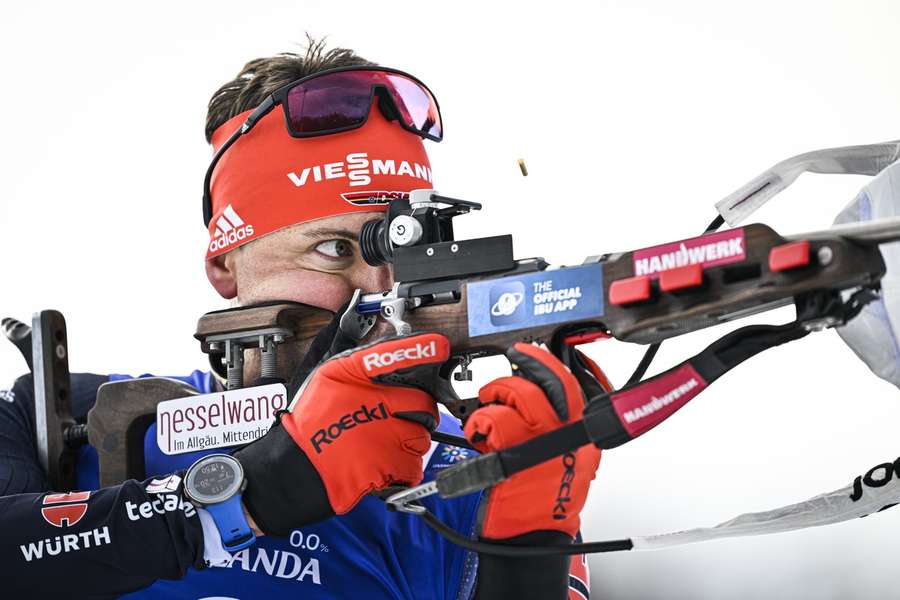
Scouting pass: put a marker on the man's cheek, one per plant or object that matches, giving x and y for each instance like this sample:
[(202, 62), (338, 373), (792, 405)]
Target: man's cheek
[(324, 290)]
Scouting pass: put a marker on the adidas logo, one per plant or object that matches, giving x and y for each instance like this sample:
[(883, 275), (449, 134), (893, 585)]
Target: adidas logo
[(230, 229)]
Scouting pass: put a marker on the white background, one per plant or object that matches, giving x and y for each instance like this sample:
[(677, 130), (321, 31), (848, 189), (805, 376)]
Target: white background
[(633, 119)]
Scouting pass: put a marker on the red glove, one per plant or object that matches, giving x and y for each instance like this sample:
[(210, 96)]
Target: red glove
[(355, 427), (543, 397)]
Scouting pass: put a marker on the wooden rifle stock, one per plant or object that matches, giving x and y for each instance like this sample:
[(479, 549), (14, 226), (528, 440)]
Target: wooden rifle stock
[(724, 291)]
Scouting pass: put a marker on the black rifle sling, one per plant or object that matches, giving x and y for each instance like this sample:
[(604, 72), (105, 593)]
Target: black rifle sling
[(608, 422)]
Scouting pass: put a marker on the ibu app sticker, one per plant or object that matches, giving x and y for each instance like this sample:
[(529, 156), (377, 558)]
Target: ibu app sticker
[(565, 295), (507, 303)]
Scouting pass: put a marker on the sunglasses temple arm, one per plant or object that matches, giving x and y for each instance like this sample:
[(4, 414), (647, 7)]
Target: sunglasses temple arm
[(207, 180), (261, 111)]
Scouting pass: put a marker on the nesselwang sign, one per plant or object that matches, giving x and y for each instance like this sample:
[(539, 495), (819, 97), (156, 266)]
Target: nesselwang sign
[(217, 420)]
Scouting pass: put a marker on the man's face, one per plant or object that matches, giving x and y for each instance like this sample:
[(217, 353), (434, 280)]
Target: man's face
[(316, 263)]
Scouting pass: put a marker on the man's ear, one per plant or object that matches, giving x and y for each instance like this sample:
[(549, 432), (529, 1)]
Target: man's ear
[(221, 274)]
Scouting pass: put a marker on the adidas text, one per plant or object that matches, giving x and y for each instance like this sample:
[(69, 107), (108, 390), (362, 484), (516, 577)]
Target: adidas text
[(230, 229)]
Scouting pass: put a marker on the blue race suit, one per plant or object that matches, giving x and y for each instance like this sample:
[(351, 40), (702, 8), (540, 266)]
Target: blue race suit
[(368, 552)]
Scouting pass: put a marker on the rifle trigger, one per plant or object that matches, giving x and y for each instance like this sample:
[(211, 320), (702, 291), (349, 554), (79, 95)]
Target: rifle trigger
[(393, 311)]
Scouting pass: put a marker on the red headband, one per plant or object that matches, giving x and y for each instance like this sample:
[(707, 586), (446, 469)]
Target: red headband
[(269, 180)]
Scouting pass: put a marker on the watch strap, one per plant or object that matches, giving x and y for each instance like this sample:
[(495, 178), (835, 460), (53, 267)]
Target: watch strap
[(232, 524)]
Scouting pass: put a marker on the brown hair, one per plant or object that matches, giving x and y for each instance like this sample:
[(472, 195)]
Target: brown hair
[(262, 76)]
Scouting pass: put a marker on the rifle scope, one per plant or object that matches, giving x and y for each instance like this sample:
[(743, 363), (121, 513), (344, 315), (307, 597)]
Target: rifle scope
[(423, 218)]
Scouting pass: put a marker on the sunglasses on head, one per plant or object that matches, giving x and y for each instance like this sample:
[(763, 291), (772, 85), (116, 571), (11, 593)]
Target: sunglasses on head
[(339, 100)]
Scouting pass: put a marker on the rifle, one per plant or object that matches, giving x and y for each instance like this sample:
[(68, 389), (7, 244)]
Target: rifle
[(561, 307), (473, 292), (483, 301), (828, 275)]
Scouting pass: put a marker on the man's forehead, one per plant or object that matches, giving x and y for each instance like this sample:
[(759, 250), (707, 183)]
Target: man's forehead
[(338, 226), (330, 232)]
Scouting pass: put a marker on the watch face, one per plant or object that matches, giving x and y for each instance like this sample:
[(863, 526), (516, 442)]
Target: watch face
[(214, 479)]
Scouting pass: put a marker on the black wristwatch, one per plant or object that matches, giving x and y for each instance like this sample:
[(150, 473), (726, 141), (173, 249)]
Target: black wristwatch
[(215, 482)]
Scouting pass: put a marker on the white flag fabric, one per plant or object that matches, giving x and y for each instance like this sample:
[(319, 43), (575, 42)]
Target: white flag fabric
[(879, 488), (873, 333)]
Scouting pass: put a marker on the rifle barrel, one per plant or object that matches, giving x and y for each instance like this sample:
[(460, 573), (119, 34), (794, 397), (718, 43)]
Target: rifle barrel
[(880, 231)]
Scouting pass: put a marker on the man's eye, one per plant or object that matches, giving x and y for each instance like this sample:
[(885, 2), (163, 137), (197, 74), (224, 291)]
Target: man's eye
[(336, 248)]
